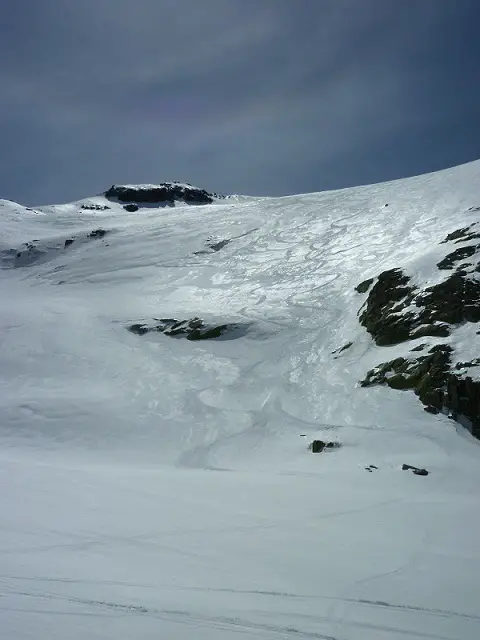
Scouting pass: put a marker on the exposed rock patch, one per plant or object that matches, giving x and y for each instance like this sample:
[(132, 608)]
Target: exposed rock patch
[(426, 375), (342, 349), (396, 311), (193, 329), (164, 193), (415, 470), (430, 312), (364, 286), (29, 254), (317, 446), (213, 245), (98, 233), (455, 300), (465, 234), (95, 207), (456, 256), (381, 316)]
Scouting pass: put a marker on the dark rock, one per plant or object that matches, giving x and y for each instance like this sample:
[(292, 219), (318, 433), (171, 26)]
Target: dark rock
[(463, 235), (344, 348), (454, 301), (95, 207), (456, 256), (138, 329), (465, 365), (218, 244), (426, 375), (213, 245), (193, 329), (381, 317), (401, 382), (68, 242), (131, 207), (437, 386), (364, 286), (98, 233), (430, 409), (438, 330), (163, 193), (206, 333), (317, 446), (416, 470), (420, 347)]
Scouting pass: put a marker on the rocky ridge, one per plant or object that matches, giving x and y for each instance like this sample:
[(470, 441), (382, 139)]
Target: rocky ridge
[(397, 311), (165, 193)]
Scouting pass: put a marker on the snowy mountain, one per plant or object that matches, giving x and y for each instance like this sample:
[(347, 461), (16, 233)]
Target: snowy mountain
[(166, 373)]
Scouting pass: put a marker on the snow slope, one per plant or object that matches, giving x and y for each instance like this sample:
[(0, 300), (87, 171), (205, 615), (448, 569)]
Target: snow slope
[(156, 487)]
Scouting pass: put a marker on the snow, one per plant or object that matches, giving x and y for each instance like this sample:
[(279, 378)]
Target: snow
[(158, 488)]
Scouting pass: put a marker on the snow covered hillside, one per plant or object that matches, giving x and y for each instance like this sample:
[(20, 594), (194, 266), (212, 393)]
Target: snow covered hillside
[(163, 371)]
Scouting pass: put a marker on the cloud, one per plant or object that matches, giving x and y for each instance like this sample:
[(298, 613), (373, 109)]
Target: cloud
[(263, 97)]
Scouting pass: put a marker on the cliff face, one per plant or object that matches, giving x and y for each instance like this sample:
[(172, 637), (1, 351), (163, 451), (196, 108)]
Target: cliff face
[(398, 311)]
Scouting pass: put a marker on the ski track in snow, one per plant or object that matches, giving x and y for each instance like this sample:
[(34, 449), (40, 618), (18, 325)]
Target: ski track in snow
[(153, 487)]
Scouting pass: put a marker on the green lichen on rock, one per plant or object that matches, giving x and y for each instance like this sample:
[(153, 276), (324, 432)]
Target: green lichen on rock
[(426, 375), (386, 318), (395, 311)]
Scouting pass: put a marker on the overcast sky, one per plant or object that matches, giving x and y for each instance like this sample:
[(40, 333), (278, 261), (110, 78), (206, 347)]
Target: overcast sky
[(266, 97)]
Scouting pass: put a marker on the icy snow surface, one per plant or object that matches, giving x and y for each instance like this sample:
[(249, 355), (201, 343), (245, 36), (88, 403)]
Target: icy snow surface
[(154, 488)]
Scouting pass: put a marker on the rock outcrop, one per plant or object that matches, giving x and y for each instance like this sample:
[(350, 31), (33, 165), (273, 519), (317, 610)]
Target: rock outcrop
[(396, 312), (95, 207), (193, 329), (164, 193)]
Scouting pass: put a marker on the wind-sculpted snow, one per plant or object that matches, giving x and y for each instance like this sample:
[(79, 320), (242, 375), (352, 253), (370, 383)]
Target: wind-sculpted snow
[(159, 487)]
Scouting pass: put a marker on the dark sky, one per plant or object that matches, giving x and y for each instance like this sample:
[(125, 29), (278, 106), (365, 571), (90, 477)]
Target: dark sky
[(266, 97)]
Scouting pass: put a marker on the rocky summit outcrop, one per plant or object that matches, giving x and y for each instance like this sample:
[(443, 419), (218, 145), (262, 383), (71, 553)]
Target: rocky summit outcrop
[(396, 311), (193, 329), (162, 194)]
